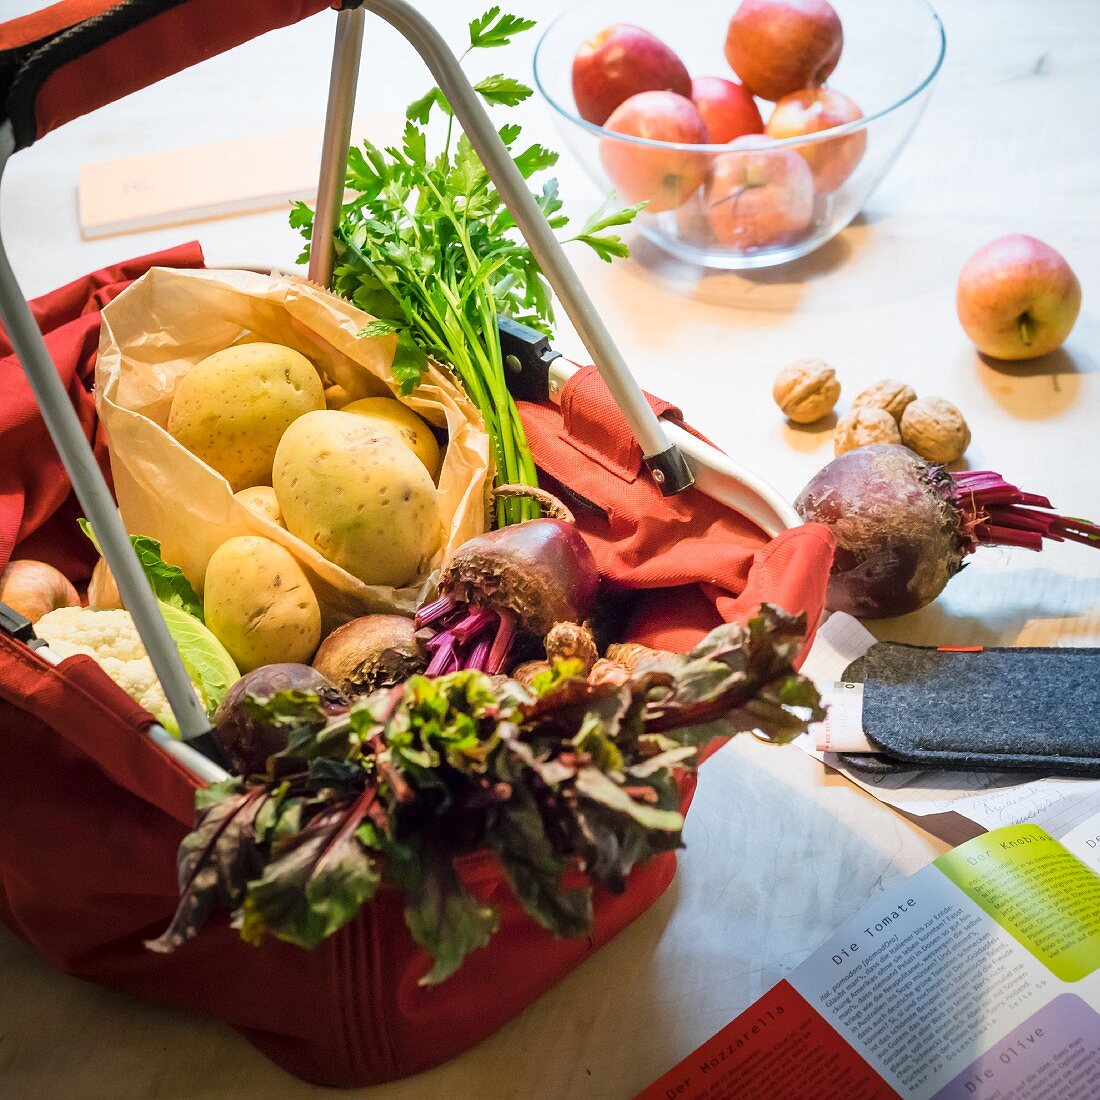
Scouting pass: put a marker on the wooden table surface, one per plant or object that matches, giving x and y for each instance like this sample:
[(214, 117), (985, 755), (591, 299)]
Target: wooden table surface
[(779, 850)]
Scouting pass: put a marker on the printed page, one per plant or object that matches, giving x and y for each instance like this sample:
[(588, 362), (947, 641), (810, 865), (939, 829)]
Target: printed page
[(978, 977)]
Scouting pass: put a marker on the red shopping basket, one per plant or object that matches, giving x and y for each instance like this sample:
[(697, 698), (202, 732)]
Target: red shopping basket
[(92, 809)]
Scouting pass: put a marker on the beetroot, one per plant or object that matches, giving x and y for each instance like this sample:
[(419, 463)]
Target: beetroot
[(248, 742), (903, 527), (515, 581)]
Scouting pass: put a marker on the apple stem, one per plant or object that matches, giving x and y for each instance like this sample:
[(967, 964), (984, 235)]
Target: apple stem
[(733, 196), (1025, 330)]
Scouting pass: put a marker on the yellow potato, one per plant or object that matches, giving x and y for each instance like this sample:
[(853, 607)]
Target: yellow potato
[(360, 498), (336, 397), (389, 415), (262, 500), (259, 604), (232, 408)]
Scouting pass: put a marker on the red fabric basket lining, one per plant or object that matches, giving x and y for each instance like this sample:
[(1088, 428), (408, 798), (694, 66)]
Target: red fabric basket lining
[(92, 812)]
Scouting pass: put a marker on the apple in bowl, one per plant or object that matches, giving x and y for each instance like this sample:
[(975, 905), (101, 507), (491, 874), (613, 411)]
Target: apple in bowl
[(728, 108), (810, 111), (759, 195), (1017, 298), (619, 62), (664, 178), (779, 46)]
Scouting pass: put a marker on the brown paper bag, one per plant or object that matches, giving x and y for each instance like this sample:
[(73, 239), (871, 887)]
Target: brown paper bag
[(168, 321)]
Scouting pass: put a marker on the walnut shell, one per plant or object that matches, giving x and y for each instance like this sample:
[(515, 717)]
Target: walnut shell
[(935, 429), (889, 394), (862, 427), (806, 391)]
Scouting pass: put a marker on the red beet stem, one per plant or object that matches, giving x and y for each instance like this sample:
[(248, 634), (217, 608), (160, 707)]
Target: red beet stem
[(478, 619), (443, 656), (498, 654), (430, 612), (997, 513), (479, 655)]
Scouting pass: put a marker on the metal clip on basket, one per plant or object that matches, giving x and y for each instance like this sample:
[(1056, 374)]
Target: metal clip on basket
[(60, 75)]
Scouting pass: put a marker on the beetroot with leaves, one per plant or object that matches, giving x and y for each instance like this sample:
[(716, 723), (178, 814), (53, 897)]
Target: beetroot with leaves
[(903, 527), (514, 581), (247, 740)]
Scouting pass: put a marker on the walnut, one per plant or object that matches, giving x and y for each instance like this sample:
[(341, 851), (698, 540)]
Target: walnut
[(862, 427), (806, 391), (935, 429), (889, 394)]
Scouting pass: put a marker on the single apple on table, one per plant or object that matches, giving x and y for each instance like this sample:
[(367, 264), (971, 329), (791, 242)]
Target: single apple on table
[(809, 112), (759, 196), (619, 62), (1017, 298), (728, 109), (778, 46), (665, 178)]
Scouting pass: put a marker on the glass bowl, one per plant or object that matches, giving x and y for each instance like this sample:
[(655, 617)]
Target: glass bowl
[(736, 206)]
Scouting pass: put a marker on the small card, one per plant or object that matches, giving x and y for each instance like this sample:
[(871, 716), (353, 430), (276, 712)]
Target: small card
[(842, 729), (242, 176)]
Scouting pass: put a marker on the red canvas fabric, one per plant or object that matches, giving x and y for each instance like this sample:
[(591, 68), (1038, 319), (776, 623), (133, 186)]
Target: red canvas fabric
[(92, 812), (37, 508), (78, 55), (692, 562)]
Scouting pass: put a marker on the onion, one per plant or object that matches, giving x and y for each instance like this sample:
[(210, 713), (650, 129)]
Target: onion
[(904, 527), (247, 742), (370, 652), (33, 588), (102, 591)]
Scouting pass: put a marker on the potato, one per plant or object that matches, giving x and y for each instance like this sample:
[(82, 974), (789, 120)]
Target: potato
[(258, 602), (360, 498), (261, 499), (336, 397), (232, 408), (389, 415)]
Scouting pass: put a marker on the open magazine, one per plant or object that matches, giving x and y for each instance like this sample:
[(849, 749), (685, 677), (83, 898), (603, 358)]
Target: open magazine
[(978, 977)]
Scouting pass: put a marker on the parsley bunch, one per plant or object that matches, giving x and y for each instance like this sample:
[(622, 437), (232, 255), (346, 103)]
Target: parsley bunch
[(428, 248)]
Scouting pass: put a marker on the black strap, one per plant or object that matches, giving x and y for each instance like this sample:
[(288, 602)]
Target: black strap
[(24, 69), (67, 46)]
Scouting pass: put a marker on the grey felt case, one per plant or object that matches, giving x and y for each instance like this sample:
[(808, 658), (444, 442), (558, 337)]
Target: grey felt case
[(1024, 708)]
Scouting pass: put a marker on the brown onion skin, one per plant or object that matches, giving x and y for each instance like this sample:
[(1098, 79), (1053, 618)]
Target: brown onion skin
[(542, 570), (896, 525), (249, 743), (373, 651)]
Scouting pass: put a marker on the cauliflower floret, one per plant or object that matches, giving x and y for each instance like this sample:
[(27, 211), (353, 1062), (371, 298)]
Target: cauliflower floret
[(111, 639)]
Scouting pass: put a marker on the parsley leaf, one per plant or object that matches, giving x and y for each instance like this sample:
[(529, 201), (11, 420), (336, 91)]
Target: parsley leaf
[(502, 89), (494, 29)]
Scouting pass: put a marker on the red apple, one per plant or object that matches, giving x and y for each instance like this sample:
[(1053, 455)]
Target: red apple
[(664, 177), (757, 196), (1017, 298), (779, 46), (692, 224), (727, 108), (810, 111), (619, 62)]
